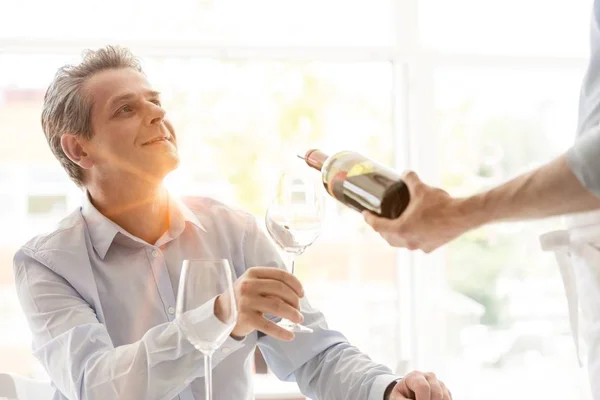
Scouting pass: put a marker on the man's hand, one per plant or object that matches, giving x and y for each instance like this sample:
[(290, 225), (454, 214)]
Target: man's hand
[(432, 218), (264, 290), (420, 386)]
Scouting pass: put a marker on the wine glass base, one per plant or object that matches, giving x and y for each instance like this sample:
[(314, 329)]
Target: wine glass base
[(293, 327)]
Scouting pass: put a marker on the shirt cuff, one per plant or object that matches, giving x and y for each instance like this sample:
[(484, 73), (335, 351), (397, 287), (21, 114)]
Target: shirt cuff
[(204, 319), (379, 385)]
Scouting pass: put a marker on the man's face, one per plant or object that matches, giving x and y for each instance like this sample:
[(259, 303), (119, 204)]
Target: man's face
[(130, 133)]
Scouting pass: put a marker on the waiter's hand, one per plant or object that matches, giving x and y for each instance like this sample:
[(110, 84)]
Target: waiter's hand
[(432, 218)]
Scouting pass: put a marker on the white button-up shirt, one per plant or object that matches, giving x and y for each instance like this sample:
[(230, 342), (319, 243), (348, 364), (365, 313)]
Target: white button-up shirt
[(100, 305)]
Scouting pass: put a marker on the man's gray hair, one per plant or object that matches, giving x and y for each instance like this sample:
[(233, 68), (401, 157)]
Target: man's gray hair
[(67, 108)]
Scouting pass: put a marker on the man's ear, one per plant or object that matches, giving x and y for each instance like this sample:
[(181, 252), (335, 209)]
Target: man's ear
[(74, 147)]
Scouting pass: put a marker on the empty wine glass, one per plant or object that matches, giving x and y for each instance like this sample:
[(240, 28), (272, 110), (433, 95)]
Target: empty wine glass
[(293, 220), (202, 281)]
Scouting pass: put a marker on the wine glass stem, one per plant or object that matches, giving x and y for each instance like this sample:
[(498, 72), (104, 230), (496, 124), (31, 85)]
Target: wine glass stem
[(292, 263), (208, 376)]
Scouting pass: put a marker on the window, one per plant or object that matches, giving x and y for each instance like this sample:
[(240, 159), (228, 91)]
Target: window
[(46, 205), (212, 22), (525, 28)]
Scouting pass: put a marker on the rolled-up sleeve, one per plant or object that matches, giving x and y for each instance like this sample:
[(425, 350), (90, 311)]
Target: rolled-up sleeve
[(323, 363), (584, 156), (78, 353), (584, 159)]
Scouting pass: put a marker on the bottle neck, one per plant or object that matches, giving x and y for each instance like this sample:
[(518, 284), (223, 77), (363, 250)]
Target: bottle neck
[(315, 159)]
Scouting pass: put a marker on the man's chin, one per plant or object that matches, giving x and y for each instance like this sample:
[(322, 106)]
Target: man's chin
[(167, 168), (175, 161), (157, 172)]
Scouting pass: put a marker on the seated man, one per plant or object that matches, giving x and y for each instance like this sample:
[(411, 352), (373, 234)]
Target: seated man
[(99, 292)]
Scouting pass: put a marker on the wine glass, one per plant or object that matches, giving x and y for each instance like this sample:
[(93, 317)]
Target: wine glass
[(293, 220), (202, 281)]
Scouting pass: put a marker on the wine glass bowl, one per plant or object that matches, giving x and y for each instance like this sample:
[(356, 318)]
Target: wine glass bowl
[(292, 233)]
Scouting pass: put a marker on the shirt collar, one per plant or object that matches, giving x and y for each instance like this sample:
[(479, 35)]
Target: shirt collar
[(103, 231), (179, 215)]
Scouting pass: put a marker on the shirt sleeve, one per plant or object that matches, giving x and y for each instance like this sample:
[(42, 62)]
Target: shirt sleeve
[(584, 155), (323, 363), (78, 354), (584, 160)]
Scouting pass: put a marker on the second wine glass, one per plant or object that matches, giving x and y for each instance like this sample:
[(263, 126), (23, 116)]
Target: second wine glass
[(293, 220), (201, 283)]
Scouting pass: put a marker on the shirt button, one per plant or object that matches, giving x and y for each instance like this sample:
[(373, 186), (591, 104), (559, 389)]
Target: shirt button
[(171, 310), (154, 253), (226, 350)]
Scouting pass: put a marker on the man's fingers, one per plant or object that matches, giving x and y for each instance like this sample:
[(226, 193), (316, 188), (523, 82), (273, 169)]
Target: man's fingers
[(401, 393), (447, 393), (394, 240), (419, 385), (398, 395), (422, 386), (270, 328), (377, 223), (411, 178), (437, 392), (253, 288), (277, 275), (275, 306)]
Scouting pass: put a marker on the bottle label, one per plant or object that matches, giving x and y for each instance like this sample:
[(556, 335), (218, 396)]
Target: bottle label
[(361, 168)]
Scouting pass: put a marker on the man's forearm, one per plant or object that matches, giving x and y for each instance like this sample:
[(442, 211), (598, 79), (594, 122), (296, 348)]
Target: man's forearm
[(548, 191)]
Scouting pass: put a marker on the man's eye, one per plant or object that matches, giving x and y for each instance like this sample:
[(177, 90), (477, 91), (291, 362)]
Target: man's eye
[(124, 110), (157, 102)]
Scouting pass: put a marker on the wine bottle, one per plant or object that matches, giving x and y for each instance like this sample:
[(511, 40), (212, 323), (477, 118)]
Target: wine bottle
[(361, 183)]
